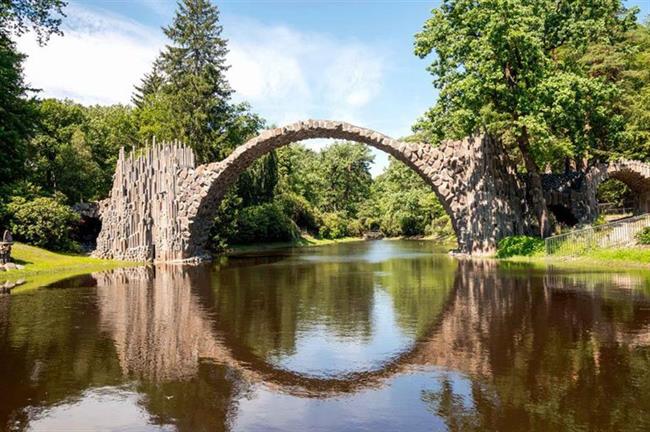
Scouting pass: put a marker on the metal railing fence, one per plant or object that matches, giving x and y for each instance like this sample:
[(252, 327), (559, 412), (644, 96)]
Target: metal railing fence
[(577, 242)]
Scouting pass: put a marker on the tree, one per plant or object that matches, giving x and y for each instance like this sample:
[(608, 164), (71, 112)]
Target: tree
[(43, 16), (59, 158), (626, 65), (402, 204), (109, 128), (345, 172), (298, 172), (500, 67), (17, 114), (151, 84), (44, 222), (194, 66)]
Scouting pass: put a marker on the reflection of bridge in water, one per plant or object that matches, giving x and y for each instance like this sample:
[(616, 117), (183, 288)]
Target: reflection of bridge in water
[(162, 329)]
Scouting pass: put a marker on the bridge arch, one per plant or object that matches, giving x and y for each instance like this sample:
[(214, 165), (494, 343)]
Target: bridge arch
[(210, 182), (634, 174), (162, 206)]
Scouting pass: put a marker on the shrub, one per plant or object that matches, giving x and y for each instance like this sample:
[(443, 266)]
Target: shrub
[(43, 222), (334, 226), (519, 246), (299, 210), (264, 223), (643, 236), (409, 225)]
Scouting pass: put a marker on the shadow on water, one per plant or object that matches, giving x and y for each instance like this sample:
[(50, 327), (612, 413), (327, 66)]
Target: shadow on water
[(384, 335)]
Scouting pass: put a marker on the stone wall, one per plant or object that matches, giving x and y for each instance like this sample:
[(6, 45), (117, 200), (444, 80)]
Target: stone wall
[(162, 207)]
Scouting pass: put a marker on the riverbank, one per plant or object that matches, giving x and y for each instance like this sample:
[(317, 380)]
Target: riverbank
[(605, 259), (42, 267), (305, 240)]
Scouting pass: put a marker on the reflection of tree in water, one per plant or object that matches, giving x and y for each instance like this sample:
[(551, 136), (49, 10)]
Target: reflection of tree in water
[(266, 307), (419, 289), (263, 307), (51, 349), (163, 338), (532, 347), (555, 358)]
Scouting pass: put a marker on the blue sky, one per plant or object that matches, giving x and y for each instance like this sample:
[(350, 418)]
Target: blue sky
[(291, 60)]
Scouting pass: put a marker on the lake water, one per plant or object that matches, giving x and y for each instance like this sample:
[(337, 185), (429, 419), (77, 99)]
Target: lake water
[(369, 336)]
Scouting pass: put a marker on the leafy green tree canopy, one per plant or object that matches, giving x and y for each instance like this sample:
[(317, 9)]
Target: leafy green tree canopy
[(501, 66), (43, 16)]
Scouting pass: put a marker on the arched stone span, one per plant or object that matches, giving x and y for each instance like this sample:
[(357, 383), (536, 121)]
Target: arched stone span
[(162, 206), (635, 174)]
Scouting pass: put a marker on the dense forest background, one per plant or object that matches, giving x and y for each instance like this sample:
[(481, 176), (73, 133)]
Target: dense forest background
[(563, 84)]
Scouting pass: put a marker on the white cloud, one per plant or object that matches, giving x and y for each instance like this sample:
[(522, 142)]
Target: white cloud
[(99, 60), (286, 75), (282, 71)]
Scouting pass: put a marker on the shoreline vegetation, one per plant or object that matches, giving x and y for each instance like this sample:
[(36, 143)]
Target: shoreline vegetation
[(611, 259), (43, 267)]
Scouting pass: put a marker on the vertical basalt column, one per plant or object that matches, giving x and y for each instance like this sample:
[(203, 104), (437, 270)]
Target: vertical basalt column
[(139, 219)]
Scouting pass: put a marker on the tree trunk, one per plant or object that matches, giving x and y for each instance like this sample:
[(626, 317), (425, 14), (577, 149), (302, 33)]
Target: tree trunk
[(536, 192)]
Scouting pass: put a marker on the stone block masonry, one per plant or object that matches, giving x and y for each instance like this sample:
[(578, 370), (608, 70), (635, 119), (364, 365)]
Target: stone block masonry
[(162, 206)]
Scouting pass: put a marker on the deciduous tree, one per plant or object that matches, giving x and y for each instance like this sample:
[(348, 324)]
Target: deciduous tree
[(500, 67)]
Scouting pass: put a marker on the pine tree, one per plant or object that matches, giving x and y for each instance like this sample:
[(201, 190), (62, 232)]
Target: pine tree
[(151, 84), (194, 65)]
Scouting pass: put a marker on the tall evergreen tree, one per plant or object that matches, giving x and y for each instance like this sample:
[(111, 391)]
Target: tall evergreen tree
[(194, 65), (151, 84)]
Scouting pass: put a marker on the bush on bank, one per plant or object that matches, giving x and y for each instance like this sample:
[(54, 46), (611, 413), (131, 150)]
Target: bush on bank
[(43, 222), (643, 236), (265, 222), (520, 246)]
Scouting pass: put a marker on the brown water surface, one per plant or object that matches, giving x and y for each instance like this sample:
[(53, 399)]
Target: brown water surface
[(376, 336)]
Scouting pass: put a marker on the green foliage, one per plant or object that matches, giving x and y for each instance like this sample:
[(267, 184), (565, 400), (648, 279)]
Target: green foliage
[(519, 246), (335, 225), (402, 204), (346, 179), (299, 210), (625, 64), (643, 236), (299, 172), (264, 223), (17, 114), (43, 222), (43, 16), (257, 184), (616, 193), (74, 149), (186, 95), (510, 68)]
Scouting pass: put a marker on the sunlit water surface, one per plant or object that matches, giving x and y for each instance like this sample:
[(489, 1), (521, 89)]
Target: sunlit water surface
[(377, 336)]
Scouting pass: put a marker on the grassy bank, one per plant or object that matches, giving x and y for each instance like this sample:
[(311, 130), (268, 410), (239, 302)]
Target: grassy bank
[(615, 258), (304, 241), (45, 267)]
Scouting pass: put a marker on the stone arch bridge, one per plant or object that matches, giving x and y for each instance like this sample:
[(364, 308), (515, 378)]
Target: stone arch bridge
[(162, 205), (575, 193)]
